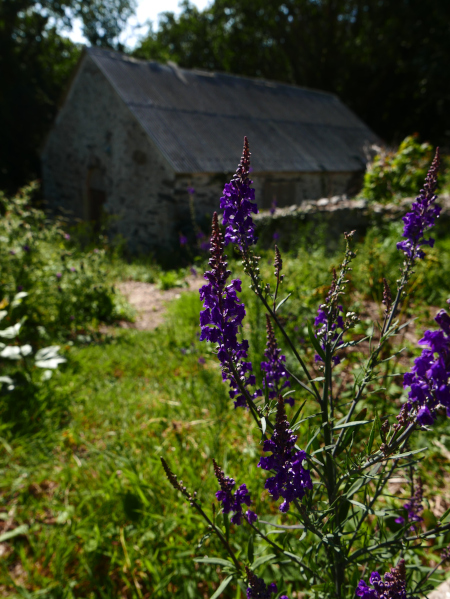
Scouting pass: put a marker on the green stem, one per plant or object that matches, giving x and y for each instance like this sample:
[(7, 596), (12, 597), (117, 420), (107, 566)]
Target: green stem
[(289, 555), (250, 402), (219, 533)]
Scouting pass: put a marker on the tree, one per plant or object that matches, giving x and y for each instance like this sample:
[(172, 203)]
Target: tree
[(36, 62), (385, 59)]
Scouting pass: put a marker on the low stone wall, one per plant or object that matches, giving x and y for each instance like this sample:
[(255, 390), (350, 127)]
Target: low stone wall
[(329, 218)]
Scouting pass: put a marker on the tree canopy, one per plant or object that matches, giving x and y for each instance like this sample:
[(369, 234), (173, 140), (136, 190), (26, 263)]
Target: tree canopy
[(36, 62), (386, 59)]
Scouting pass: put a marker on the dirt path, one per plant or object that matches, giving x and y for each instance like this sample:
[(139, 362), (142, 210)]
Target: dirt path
[(151, 302)]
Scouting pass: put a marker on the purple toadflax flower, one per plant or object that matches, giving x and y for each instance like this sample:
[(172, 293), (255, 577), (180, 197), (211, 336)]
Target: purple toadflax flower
[(238, 204), (233, 502), (429, 377), (423, 213), (190, 190), (414, 506), (221, 318), (329, 321), (392, 587), (273, 206), (183, 239), (276, 376), (291, 480), (257, 588)]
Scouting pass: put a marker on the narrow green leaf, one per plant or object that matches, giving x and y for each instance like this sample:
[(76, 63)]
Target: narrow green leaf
[(406, 454), (285, 526), (356, 486), (360, 505), (282, 302), (371, 436), (263, 425), (352, 424), (297, 413), (297, 424), (444, 515), (223, 585), (312, 439), (213, 560), (314, 341), (262, 560), (346, 440)]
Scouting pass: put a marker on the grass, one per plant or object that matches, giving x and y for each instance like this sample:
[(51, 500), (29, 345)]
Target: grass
[(81, 481)]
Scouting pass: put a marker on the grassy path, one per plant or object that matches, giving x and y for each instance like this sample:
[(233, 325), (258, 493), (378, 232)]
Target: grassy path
[(98, 518)]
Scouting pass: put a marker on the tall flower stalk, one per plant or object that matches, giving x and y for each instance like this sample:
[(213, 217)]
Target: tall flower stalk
[(276, 377), (329, 468), (221, 318)]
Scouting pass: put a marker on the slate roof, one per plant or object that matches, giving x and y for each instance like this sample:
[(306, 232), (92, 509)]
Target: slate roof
[(198, 119)]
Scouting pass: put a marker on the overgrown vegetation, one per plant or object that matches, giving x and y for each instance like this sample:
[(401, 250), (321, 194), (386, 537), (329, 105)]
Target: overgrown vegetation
[(85, 509), (69, 288)]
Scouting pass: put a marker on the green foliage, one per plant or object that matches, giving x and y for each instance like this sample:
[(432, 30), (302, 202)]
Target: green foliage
[(68, 288), (169, 280), (93, 513), (395, 174), (36, 62)]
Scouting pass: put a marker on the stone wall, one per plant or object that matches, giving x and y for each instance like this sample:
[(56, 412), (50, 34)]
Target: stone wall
[(96, 137), (296, 187), (328, 219)]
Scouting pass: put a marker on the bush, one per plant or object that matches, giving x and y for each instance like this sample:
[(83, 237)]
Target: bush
[(392, 175), (68, 288)]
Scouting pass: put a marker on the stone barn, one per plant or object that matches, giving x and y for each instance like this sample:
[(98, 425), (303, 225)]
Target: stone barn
[(131, 137)]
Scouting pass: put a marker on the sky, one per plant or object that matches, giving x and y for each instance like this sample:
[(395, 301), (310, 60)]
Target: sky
[(147, 10)]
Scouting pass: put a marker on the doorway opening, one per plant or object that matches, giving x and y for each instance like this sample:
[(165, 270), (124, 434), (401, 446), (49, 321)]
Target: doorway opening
[(96, 193)]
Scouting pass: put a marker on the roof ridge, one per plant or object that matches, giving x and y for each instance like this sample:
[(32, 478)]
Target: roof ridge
[(173, 66)]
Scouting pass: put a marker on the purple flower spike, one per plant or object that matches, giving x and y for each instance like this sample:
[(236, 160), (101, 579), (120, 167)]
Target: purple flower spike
[(238, 204), (233, 502), (423, 213), (329, 331), (392, 587), (183, 240), (429, 377), (221, 318), (276, 376), (257, 588), (291, 480), (414, 506), (190, 190)]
